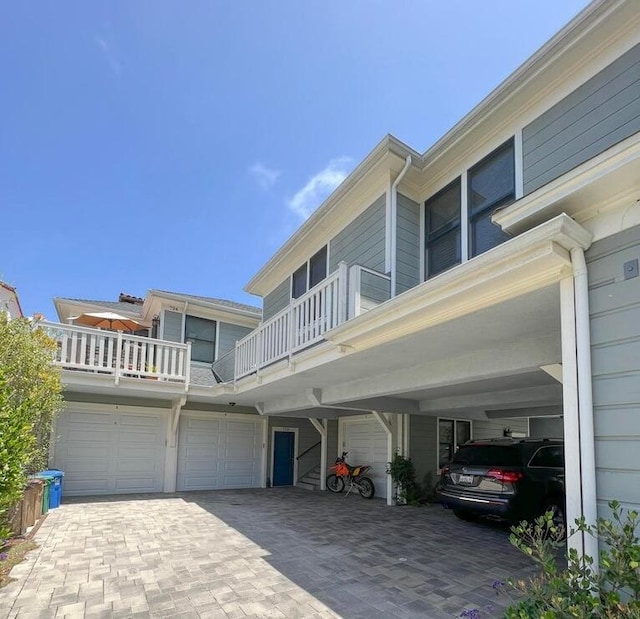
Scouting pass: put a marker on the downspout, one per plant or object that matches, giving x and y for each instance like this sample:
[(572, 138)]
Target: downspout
[(394, 222), (585, 400)]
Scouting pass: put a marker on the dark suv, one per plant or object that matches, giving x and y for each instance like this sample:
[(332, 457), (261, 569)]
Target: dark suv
[(506, 478)]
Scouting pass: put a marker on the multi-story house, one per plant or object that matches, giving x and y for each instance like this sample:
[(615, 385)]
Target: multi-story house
[(9, 301), (487, 285), (484, 287)]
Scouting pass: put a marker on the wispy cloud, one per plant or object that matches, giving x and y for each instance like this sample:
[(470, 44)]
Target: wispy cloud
[(319, 187), (110, 54), (264, 176)]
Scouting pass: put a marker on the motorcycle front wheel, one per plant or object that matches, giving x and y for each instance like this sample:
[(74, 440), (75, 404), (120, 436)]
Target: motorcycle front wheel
[(366, 488), (335, 483)]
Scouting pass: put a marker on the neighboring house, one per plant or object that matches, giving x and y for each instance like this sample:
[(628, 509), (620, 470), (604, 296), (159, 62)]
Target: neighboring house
[(487, 286), (9, 302)]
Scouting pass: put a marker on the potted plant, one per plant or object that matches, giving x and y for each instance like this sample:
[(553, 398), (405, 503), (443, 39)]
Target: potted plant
[(403, 474)]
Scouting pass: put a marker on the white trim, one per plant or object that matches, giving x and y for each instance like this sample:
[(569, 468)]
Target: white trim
[(518, 163), (455, 421), (585, 401), (573, 478), (464, 217), (387, 228), (321, 426), (295, 450), (423, 239), (216, 346), (265, 452)]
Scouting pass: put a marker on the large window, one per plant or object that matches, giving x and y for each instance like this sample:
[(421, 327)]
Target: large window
[(491, 185), (442, 233), (451, 434), (309, 274), (202, 335)]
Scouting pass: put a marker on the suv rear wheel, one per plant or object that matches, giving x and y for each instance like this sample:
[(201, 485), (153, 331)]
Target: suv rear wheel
[(463, 514)]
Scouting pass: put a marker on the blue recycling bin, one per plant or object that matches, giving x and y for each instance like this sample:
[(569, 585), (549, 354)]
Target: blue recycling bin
[(55, 489)]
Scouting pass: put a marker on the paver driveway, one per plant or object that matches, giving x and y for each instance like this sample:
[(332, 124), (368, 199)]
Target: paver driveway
[(257, 553)]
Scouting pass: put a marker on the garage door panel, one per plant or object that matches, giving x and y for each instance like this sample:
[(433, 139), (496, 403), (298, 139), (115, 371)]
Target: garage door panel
[(136, 484), (103, 453), (95, 434), (229, 458), (366, 442)]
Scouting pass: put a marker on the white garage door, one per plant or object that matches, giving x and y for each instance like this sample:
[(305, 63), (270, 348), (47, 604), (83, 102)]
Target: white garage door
[(366, 442), (218, 452), (110, 452)]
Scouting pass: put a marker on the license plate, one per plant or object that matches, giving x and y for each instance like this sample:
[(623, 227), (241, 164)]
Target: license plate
[(465, 479)]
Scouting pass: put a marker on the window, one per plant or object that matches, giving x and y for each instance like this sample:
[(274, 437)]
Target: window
[(202, 335), (451, 434), (491, 185), (549, 457), (309, 274), (318, 267), (299, 282), (442, 222)]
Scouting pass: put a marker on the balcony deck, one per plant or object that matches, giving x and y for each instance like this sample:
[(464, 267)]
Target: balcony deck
[(344, 294), (117, 354)]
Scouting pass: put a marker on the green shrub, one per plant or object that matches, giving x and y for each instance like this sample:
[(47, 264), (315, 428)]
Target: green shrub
[(577, 590), (403, 473), (30, 395)]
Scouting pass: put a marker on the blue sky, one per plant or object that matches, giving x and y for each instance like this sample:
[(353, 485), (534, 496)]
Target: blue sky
[(177, 145)]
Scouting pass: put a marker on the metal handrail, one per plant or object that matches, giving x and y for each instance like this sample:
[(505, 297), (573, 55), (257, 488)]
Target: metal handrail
[(306, 451)]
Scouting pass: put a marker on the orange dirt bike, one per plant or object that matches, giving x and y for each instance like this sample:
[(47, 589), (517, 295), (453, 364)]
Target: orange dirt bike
[(353, 476)]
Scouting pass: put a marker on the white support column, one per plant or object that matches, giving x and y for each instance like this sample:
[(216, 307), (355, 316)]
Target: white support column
[(355, 273), (585, 400), (388, 427), (573, 482), (321, 426), (171, 452), (265, 443), (343, 288)]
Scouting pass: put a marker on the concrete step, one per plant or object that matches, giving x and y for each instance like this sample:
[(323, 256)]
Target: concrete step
[(307, 486)]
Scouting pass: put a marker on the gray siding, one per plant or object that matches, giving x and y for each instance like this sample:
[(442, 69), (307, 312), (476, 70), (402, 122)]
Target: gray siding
[(362, 241), (594, 117), (423, 449), (228, 335), (407, 244), (374, 288), (172, 326), (546, 427), (615, 357), (277, 299), (494, 428)]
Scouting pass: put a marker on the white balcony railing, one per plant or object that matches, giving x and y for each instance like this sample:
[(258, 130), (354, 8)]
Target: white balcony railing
[(299, 325), (119, 354)]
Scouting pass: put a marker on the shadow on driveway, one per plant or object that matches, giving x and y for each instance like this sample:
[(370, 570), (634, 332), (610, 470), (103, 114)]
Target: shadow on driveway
[(281, 552)]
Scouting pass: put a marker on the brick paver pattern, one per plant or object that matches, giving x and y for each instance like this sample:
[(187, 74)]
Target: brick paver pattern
[(281, 553)]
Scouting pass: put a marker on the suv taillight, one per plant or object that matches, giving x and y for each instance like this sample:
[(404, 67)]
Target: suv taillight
[(504, 476)]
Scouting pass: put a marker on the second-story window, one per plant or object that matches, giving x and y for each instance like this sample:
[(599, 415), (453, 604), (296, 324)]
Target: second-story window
[(442, 233), (309, 274), (491, 185), (202, 335)]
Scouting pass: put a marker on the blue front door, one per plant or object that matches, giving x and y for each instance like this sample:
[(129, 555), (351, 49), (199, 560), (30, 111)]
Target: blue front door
[(283, 455)]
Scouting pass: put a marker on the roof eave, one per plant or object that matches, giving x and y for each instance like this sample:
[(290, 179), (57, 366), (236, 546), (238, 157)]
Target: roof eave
[(388, 145)]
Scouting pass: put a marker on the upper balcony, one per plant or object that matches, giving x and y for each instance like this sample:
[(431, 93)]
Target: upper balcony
[(118, 354), (344, 294)]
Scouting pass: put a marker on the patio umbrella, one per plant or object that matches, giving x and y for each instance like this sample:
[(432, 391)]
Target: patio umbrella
[(107, 320)]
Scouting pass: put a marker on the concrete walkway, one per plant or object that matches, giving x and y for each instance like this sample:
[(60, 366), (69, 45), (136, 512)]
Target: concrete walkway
[(258, 553)]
